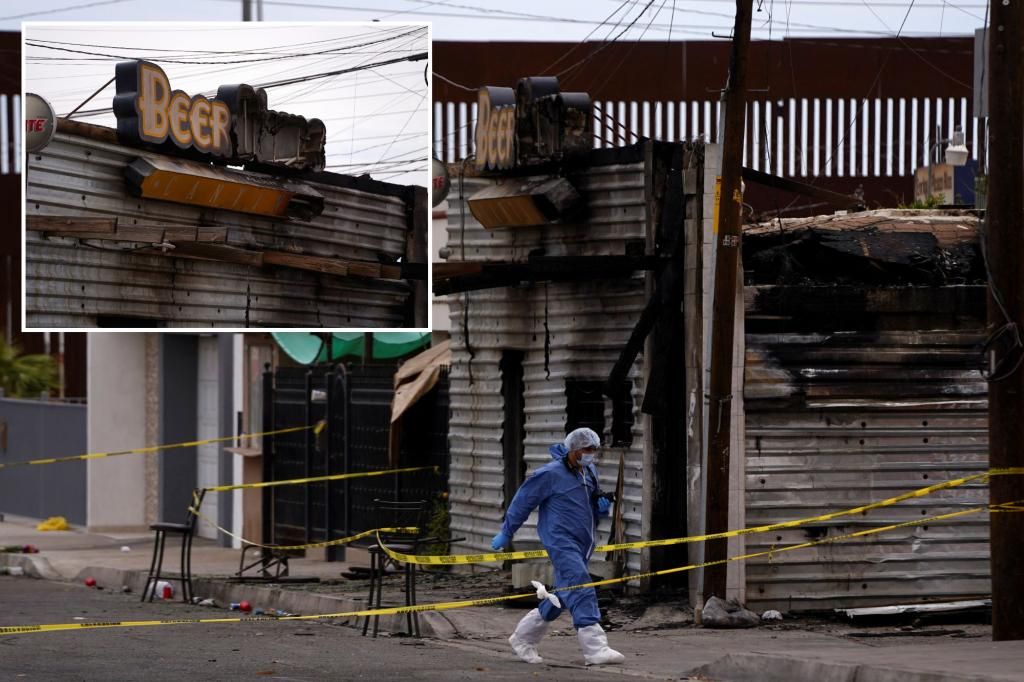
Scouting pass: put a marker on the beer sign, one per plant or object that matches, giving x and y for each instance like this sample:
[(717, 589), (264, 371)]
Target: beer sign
[(495, 128), (533, 124), (148, 110), (235, 126)]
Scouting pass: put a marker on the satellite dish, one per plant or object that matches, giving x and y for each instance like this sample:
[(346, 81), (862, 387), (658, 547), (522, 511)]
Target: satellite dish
[(441, 182)]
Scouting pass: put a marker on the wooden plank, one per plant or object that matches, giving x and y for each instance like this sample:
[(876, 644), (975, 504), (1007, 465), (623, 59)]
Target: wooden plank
[(455, 269), (301, 262), (333, 266), (118, 230), (87, 130), (217, 252), (70, 224)]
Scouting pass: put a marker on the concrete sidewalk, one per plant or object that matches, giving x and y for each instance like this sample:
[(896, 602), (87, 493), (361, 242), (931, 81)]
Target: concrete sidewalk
[(659, 644)]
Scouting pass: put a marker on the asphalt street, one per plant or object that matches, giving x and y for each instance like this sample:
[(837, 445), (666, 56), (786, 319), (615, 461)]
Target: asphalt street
[(288, 650)]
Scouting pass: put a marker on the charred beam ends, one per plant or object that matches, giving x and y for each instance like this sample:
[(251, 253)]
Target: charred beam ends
[(885, 248), (456, 277), (842, 201)]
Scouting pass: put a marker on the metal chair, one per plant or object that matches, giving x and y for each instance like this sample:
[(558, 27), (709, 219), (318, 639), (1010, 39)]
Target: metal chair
[(161, 531), (395, 514)]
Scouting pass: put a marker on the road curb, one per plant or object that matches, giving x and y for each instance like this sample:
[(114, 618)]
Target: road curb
[(755, 667), (35, 566), (432, 624)]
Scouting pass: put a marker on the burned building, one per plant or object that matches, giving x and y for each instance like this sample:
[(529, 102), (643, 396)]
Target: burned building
[(576, 321), (213, 213), (864, 337)]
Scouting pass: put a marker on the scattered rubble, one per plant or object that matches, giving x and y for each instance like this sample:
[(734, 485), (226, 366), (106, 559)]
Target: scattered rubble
[(719, 613)]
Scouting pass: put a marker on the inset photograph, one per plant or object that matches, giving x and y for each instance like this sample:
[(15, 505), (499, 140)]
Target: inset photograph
[(226, 175)]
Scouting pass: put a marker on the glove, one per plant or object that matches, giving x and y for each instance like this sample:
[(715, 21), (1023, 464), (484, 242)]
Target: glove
[(500, 542), (603, 505)]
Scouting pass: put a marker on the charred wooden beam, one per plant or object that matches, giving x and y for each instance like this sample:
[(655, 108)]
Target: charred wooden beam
[(298, 261), (118, 229), (70, 225), (87, 130), (451, 278)]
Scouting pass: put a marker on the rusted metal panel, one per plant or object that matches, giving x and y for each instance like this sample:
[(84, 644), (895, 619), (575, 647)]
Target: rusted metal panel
[(808, 124), (858, 411), (79, 176), (799, 67), (566, 330)]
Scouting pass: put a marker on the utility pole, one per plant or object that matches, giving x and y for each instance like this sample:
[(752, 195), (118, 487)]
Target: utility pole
[(1004, 230), (246, 10), (727, 236)]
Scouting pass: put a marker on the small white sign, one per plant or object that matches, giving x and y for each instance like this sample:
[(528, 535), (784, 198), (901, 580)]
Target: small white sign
[(40, 122)]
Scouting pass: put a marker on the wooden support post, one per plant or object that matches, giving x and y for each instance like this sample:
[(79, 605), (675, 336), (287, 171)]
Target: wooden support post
[(1005, 248), (727, 236)]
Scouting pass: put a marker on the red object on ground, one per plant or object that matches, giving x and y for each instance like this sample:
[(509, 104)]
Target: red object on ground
[(168, 592), (245, 607), (30, 549), (90, 582)]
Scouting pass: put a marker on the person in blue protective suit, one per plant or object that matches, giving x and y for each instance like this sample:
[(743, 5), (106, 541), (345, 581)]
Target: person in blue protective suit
[(570, 500)]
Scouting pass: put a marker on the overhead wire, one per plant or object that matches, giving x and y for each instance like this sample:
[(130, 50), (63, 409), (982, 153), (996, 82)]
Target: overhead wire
[(57, 10), (238, 61)]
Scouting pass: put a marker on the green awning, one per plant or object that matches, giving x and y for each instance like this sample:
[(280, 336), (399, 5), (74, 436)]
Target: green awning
[(310, 349)]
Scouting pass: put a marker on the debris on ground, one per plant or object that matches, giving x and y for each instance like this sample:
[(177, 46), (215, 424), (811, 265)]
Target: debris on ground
[(19, 549), (662, 616), (771, 616), (719, 613), (54, 523)]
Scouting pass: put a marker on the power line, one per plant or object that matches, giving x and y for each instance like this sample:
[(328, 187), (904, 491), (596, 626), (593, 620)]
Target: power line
[(449, 81), (237, 61), (605, 45), (302, 79), (57, 10), (622, 5)]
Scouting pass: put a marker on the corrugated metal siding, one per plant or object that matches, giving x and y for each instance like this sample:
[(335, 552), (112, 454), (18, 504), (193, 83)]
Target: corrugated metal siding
[(74, 285), (836, 420), (82, 177), (588, 322)]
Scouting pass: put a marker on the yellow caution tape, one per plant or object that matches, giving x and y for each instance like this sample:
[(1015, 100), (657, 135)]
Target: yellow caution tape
[(487, 601), (318, 479), (451, 559), (317, 428)]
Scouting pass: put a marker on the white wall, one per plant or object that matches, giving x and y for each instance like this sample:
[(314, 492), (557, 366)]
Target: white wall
[(116, 497)]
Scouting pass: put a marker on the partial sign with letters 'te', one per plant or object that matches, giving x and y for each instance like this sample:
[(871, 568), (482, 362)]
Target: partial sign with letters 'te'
[(235, 126)]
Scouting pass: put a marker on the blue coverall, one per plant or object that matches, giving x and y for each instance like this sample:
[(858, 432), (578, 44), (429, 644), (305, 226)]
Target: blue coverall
[(568, 502)]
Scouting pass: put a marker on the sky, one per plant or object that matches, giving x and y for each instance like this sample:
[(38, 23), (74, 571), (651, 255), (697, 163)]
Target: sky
[(377, 119), (548, 20), (358, 111)]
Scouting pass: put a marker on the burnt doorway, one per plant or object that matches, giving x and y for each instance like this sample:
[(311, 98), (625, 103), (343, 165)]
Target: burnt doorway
[(513, 432)]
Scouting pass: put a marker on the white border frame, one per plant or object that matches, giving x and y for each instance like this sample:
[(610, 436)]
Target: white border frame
[(243, 330)]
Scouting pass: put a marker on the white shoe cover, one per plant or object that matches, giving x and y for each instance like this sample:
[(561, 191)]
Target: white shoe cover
[(527, 636), (594, 644)]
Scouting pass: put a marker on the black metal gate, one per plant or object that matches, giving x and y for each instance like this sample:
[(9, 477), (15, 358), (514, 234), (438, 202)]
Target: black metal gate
[(356, 402)]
